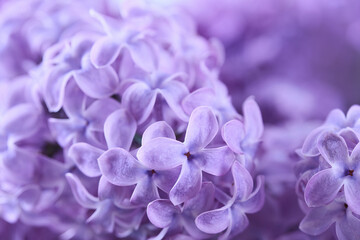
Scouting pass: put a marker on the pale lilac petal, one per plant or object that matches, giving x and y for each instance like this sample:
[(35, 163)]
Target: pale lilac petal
[(350, 137), (201, 130), (144, 192), (96, 83), (216, 161), (174, 92), (13, 122), (85, 157), (233, 133), (352, 193), (200, 97), (166, 179), (54, 87), (139, 99), (74, 101), (348, 228), (355, 158), (254, 126), (104, 52), (82, 196), (310, 147), (203, 201), (319, 219), (214, 221), (257, 197), (239, 221), (65, 129), (161, 212), (119, 129), (120, 167), (322, 188), (187, 185), (29, 197), (243, 183), (157, 129), (143, 55), (336, 118), (119, 194), (353, 115), (333, 148), (162, 154), (98, 111)]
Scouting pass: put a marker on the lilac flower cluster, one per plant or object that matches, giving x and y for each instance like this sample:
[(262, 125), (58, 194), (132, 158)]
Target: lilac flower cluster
[(114, 124), (328, 176)]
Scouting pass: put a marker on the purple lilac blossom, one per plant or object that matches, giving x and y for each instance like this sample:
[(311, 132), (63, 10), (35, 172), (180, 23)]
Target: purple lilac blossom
[(132, 119), (327, 185), (115, 124)]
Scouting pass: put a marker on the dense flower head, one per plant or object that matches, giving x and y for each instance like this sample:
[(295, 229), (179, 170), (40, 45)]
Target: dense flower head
[(145, 119), (115, 125), (328, 184)]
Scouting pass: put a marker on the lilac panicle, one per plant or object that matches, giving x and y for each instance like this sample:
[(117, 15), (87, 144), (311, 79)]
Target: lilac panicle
[(114, 124), (328, 176)]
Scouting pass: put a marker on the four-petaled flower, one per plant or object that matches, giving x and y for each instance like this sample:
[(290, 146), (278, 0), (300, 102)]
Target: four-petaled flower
[(167, 153), (325, 185), (232, 216)]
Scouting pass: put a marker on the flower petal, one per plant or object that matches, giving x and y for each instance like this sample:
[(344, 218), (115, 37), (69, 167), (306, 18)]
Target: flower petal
[(239, 220), (322, 188), (254, 126), (143, 55), (200, 97), (98, 111), (104, 52), (85, 157), (353, 115), (96, 83), (319, 219), (120, 168), (144, 192), (161, 212), (187, 185), (352, 193), (118, 194), (203, 201), (243, 183), (166, 179), (348, 228), (201, 130), (310, 147), (54, 87), (256, 199), (82, 196), (139, 99), (64, 130), (233, 133), (216, 161), (119, 129), (355, 158), (333, 148), (214, 221), (336, 118), (174, 92), (157, 129), (162, 154), (12, 122)]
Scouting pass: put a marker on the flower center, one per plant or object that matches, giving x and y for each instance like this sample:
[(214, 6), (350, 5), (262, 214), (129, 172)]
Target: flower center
[(151, 172), (346, 206), (349, 173), (188, 155)]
